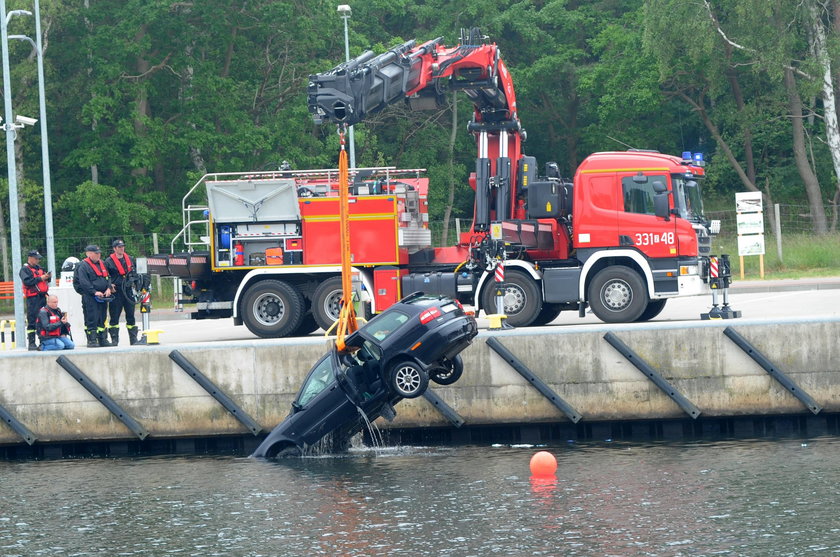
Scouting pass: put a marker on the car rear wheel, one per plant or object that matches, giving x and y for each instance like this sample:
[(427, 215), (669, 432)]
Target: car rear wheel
[(447, 371), (273, 308), (408, 379)]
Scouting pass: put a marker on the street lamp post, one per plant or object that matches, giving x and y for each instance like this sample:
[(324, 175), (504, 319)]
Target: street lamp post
[(45, 147), (11, 132), (345, 12)]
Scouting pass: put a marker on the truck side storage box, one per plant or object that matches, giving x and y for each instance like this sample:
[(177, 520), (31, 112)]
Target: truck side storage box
[(179, 265), (199, 265), (430, 283), (386, 286), (561, 284), (158, 264), (549, 200)]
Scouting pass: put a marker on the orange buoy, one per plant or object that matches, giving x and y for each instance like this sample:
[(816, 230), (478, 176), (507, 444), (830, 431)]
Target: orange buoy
[(543, 464)]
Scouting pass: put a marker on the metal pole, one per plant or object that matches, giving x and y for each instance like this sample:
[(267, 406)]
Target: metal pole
[(350, 134), (14, 217), (45, 148), (778, 232)]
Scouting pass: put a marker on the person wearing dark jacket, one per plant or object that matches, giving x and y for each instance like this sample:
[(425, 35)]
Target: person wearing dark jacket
[(95, 287), (36, 283), (53, 327), (121, 266)]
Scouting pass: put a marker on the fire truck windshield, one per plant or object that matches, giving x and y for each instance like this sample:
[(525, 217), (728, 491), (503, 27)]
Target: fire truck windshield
[(687, 198)]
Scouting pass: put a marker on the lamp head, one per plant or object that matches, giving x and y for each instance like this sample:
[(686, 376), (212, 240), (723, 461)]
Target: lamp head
[(344, 10)]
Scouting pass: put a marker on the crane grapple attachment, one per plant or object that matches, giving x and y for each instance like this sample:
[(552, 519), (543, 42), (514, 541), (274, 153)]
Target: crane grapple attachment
[(350, 92)]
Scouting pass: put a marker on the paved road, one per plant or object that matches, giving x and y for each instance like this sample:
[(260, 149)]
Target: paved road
[(785, 299)]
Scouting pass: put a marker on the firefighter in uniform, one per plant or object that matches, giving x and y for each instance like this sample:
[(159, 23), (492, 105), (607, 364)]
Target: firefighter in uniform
[(36, 282), (120, 265), (95, 287)]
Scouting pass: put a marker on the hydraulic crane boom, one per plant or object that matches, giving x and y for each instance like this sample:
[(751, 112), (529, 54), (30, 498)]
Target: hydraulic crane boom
[(350, 92)]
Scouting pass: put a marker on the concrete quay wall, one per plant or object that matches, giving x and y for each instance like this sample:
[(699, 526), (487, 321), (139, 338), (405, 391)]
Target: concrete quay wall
[(262, 377)]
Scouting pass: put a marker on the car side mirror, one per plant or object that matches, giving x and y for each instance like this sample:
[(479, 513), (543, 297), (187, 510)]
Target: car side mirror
[(659, 187), (296, 407)]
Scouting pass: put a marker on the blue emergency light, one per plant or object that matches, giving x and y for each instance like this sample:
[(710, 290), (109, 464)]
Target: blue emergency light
[(686, 156), (698, 158)]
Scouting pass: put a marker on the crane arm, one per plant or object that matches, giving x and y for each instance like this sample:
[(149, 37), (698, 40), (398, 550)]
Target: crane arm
[(354, 90)]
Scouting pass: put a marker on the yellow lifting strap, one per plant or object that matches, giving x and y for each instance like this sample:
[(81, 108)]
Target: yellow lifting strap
[(347, 318)]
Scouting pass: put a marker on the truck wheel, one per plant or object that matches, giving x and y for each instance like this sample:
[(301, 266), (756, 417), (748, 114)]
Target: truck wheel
[(653, 309), (307, 325), (618, 295), (326, 302), (273, 308), (522, 299), (548, 313)]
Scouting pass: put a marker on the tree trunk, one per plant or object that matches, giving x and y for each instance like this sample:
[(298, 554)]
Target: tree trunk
[(94, 169), (832, 131), (809, 179), (186, 97), (21, 180), (143, 111)]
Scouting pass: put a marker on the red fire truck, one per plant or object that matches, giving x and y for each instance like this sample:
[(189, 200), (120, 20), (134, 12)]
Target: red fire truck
[(627, 233)]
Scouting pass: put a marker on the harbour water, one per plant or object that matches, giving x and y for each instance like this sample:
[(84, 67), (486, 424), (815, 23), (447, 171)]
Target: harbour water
[(742, 497)]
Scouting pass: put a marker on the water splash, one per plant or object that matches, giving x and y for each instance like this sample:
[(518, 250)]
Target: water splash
[(375, 434)]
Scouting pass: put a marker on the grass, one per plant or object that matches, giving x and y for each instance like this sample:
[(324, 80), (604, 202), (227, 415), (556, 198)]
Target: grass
[(803, 256)]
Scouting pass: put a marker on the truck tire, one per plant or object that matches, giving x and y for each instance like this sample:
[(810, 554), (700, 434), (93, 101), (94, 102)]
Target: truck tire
[(326, 302), (523, 300), (548, 313), (618, 295), (307, 325), (272, 309), (653, 309)]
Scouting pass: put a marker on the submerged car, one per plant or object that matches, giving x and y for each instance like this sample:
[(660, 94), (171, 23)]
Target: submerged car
[(390, 358)]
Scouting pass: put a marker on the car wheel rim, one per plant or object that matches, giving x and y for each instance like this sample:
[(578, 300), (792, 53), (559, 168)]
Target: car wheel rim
[(269, 309), (407, 379), (616, 295)]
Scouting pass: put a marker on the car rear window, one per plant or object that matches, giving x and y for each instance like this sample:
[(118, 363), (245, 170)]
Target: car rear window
[(385, 324)]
